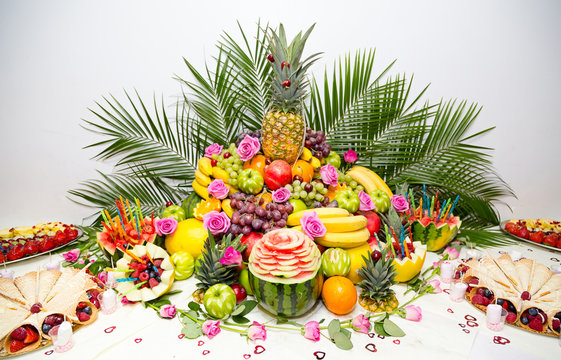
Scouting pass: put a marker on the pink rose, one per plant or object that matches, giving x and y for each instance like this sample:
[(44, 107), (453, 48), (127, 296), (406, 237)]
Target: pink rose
[(452, 253), (413, 313), (281, 195), (231, 257), (435, 286), (211, 328), (102, 276), (216, 222), (248, 148), (213, 149), (168, 311), (218, 189), (257, 332), (72, 255), (126, 301), (312, 225), (350, 156), (366, 203), (399, 203), (329, 175), (165, 226), (361, 324), (311, 330)]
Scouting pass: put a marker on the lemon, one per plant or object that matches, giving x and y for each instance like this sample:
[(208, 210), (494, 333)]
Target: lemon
[(189, 236), (356, 261)]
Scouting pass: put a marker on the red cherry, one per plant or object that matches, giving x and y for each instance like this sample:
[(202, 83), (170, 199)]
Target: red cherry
[(271, 58), (284, 63), (241, 293), (213, 162), (168, 203), (376, 255), (227, 155), (286, 83)]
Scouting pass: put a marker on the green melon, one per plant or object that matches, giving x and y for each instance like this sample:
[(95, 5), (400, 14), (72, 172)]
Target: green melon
[(189, 204), (286, 299), (436, 237)]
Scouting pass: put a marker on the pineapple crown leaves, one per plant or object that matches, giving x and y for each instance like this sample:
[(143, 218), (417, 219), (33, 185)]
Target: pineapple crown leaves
[(377, 276), (289, 98), (210, 271)]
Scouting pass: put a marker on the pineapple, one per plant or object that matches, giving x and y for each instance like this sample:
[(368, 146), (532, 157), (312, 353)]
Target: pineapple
[(284, 127), (377, 295)]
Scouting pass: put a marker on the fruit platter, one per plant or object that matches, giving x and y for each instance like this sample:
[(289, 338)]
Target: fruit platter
[(529, 291), (35, 303), (24, 242), (541, 232)]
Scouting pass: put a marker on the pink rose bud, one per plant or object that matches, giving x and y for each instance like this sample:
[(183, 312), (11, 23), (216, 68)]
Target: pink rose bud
[(435, 286), (72, 255), (361, 324), (453, 253), (257, 332), (218, 189), (329, 175), (281, 195), (399, 203), (231, 257), (350, 156), (165, 226), (216, 222), (311, 331), (366, 203), (312, 225), (248, 148), (211, 328), (413, 313), (168, 311), (213, 149)]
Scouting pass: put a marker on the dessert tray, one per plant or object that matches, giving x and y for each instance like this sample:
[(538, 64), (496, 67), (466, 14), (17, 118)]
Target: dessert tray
[(541, 232)]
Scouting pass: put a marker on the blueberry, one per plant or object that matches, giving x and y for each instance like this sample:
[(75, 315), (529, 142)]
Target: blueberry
[(87, 310), (524, 320), (488, 293), (558, 315), (158, 279), (511, 308), (153, 274), (45, 328), (500, 302), (533, 311)]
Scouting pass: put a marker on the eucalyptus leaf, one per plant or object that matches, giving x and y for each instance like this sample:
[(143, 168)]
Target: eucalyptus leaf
[(392, 329), (192, 331), (333, 328), (379, 329), (194, 306), (346, 332), (238, 310), (240, 319), (248, 306), (342, 341)]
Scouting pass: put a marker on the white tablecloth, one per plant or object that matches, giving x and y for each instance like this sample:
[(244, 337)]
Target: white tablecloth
[(443, 333)]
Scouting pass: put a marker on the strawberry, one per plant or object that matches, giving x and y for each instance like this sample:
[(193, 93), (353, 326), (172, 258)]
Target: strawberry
[(558, 246), (511, 317), (32, 335), (537, 237), (478, 299), (513, 229), (153, 283), (536, 325), (30, 248), (60, 238), (2, 258), (556, 324), (19, 334), (550, 240), (16, 345), (157, 262), (47, 244), (509, 226), (523, 232), (83, 317), (15, 253)]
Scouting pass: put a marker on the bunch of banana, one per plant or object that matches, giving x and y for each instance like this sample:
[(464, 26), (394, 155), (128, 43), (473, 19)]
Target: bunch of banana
[(369, 180), (343, 230), (307, 156), (204, 175)]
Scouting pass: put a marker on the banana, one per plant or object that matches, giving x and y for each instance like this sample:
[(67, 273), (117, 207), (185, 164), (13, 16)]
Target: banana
[(315, 162), (227, 207), (306, 154), (205, 166), (323, 213), (369, 179), (342, 240), (221, 174), (200, 190), (344, 224), (202, 178)]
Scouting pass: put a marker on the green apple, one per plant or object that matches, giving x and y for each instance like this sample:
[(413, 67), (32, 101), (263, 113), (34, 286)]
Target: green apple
[(298, 205), (184, 265), (174, 211), (348, 200), (219, 301), (250, 181), (244, 281), (333, 159), (381, 200)]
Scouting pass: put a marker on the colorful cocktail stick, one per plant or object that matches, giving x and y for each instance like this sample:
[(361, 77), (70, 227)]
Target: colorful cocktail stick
[(454, 205)]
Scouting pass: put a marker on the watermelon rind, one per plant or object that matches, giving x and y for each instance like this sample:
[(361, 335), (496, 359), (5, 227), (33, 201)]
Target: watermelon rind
[(286, 298), (435, 238), (189, 204)]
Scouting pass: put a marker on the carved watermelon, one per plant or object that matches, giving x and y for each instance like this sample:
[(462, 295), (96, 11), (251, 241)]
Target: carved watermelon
[(189, 204), (284, 272), (435, 236), (108, 240)]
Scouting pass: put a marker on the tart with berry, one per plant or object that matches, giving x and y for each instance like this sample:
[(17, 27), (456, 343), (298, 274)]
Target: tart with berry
[(545, 232)]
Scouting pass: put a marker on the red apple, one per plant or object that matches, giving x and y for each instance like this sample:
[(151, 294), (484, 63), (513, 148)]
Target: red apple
[(249, 241), (373, 224), (278, 174), (241, 293)]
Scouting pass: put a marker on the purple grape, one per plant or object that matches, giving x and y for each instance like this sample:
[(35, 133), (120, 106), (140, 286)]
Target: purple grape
[(235, 217), (250, 208), (246, 230), (281, 223), (257, 223), (269, 215), (316, 204), (284, 216), (248, 218), (266, 226), (281, 208), (313, 140), (268, 206), (273, 206), (325, 152), (276, 215), (259, 211), (235, 229), (289, 208), (309, 187)]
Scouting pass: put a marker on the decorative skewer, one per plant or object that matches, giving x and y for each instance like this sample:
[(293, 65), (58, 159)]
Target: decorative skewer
[(13, 299), (134, 288), (130, 211), (389, 239), (445, 216), (440, 212), (37, 285), (453, 205), (431, 207), (412, 200), (396, 239), (421, 208), (140, 212), (131, 254)]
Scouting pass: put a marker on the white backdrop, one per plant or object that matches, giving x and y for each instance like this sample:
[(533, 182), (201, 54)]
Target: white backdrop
[(58, 57)]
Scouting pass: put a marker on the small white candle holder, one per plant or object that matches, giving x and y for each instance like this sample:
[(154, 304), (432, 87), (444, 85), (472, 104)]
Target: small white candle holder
[(8, 274), (515, 255), (473, 254), (53, 265), (446, 272), (108, 301), (496, 317), (61, 335), (111, 282), (457, 291)]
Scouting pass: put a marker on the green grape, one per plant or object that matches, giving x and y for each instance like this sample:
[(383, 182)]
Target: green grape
[(311, 196), (220, 158), (296, 183), (319, 197), (348, 179), (215, 156), (297, 189), (313, 192), (324, 191), (353, 184), (295, 196), (319, 186), (289, 187), (233, 174), (360, 188), (220, 164), (235, 167), (303, 194)]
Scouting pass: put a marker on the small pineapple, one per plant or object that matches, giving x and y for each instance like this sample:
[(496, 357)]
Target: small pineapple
[(210, 271), (284, 127), (378, 275)]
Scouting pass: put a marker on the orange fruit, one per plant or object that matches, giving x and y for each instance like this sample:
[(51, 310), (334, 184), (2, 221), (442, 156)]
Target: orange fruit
[(303, 169), (339, 295), (258, 163)]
